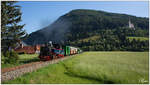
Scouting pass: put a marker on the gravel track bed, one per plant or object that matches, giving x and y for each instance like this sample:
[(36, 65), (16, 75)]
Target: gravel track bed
[(14, 72)]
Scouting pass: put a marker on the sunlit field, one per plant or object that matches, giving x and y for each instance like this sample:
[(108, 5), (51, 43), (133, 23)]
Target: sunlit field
[(93, 67), (138, 38)]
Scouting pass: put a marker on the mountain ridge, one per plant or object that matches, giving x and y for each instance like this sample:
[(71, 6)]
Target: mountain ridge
[(83, 23)]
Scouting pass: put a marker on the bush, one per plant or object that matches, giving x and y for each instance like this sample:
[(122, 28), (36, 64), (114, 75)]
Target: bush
[(2, 58), (11, 57)]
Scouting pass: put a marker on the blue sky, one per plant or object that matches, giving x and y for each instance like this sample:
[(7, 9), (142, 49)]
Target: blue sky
[(38, 14)]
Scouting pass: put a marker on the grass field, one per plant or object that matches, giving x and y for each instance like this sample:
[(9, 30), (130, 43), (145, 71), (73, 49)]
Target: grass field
[(90, 38), (93, 67), (23, 59), (138, 38)]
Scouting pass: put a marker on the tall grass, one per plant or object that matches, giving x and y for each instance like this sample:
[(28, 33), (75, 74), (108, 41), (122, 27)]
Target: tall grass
[(112, 67), (93, 67)]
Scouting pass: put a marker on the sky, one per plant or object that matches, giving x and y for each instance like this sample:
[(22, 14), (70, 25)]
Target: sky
[(39, 14)]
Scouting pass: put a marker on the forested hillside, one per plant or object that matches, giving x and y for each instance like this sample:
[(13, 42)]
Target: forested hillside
[(95, 30)]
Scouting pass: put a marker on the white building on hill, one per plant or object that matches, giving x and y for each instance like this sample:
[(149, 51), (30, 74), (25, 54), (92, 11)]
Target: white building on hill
[(131, 25)]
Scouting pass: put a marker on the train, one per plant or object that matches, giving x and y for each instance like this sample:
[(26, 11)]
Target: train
[(50, 51)]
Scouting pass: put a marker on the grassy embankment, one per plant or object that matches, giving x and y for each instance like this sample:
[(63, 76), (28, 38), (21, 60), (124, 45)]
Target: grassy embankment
[(138, 38), (93, 67), (23, 59)]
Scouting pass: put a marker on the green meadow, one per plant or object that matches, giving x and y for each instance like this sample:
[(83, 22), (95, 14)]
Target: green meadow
[(138, 38), (23, 59), (92, 68)]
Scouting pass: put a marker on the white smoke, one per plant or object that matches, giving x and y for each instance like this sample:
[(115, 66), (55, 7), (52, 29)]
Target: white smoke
[(56, 31)]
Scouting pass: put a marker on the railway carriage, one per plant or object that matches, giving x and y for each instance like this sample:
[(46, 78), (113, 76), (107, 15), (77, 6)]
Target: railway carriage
[(66, 50)]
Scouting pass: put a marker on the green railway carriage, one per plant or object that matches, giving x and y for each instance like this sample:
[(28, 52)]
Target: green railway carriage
[(66, 50), (69, 50)]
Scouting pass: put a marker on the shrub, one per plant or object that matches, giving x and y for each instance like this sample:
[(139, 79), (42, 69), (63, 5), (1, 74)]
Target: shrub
[(11, 57), (2, 58)]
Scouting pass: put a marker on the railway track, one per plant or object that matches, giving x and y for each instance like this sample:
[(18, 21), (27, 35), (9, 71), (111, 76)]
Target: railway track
[(14, 72), (19, 67)]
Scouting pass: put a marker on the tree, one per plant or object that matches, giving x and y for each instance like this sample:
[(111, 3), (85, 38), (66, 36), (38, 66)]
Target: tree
[(11, 30)]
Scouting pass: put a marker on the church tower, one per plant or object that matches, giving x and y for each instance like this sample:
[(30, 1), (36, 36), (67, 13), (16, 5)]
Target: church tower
[(131, 25)]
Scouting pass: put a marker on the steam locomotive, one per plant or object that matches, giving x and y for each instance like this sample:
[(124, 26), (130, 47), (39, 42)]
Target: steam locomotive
[(50, 51)]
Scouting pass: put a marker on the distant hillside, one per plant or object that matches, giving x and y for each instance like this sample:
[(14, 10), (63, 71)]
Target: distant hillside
[(82, 24)]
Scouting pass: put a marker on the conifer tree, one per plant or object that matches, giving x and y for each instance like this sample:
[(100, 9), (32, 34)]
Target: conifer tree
[(11, 30)]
